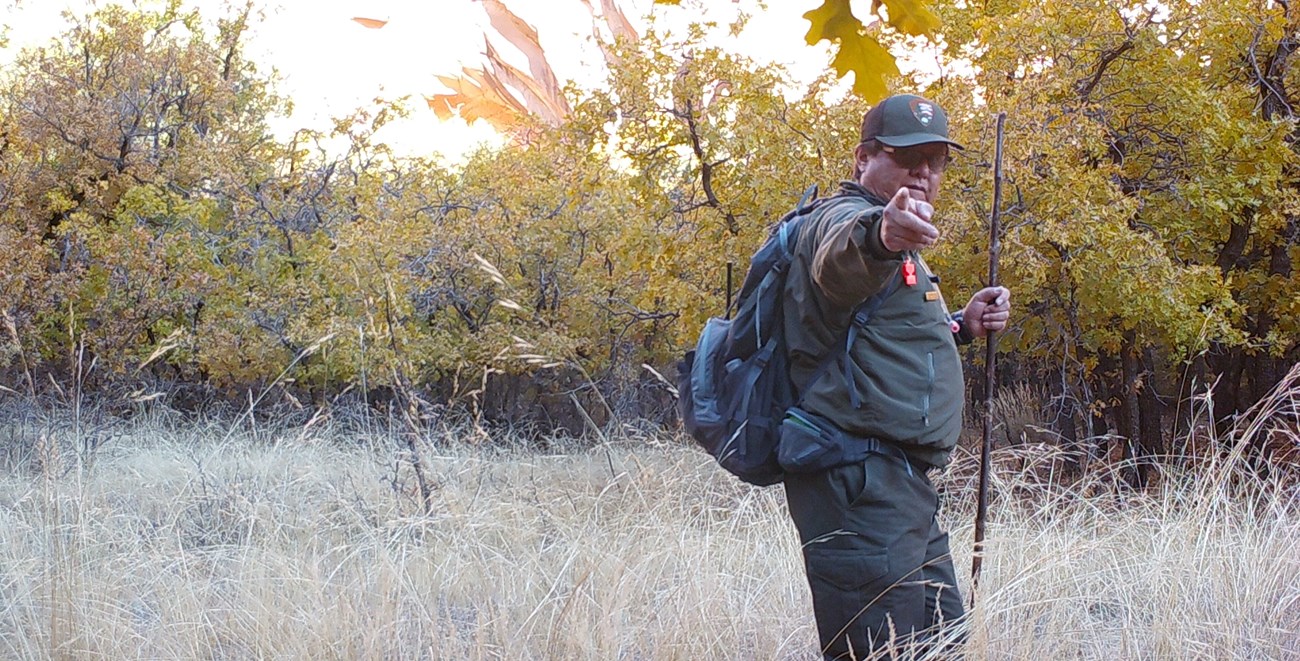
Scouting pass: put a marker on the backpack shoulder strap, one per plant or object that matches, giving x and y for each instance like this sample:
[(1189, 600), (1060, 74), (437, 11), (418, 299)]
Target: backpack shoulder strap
[(808, 195), (786, 228)]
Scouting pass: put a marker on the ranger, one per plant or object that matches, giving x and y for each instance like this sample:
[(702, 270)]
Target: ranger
[(877, 561)]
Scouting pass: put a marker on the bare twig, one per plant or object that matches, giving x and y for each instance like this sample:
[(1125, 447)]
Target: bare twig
[(706, 169)]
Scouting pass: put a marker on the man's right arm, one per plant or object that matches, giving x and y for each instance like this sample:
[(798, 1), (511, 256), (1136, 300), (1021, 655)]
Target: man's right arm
[(849, 262)]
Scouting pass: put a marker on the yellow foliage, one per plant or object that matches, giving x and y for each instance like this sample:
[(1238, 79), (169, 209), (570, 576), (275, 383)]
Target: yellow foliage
[(1150, 205)]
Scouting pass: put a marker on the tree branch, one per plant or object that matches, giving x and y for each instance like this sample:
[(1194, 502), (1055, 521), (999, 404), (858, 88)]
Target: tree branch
[(706, 171), (1107, 58)]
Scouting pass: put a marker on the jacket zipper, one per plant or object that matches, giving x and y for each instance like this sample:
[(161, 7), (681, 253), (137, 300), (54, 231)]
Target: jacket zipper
[(925, 402)]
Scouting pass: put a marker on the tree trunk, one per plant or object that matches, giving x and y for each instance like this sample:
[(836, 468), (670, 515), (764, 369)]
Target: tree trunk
[(1110, 380), (1064, 409), (1128, 395), (1151, 413)]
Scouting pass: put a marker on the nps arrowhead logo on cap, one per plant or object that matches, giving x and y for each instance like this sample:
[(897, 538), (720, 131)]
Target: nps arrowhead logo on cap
[(923, 111)]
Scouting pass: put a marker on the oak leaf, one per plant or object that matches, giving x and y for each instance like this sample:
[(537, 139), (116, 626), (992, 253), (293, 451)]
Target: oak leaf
[(912, 17), (617, 20), (870, 62), (475, 99), (547, 104), (524, 37)]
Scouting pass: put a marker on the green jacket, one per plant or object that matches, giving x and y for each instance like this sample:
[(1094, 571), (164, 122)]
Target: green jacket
[(903, 364)]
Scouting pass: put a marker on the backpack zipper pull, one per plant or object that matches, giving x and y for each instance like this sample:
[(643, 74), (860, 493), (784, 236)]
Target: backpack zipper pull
[(909, 271)]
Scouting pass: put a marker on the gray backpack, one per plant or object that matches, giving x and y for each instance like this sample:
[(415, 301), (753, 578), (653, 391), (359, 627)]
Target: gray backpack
[(734, 388)]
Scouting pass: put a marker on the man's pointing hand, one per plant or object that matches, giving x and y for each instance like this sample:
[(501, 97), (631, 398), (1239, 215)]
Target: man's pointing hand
[(905, 223)]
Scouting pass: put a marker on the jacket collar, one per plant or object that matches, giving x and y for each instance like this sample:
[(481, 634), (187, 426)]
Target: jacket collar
[(848, 187)]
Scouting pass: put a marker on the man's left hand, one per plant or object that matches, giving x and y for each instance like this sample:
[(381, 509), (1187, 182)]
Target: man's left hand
[(987, 311)]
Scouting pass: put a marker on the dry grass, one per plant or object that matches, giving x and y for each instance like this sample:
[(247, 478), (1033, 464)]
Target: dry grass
[(195, 542)]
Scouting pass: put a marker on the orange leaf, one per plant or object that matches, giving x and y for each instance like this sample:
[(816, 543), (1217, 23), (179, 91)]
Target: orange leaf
[(550, 108), (474, 97), (611, 58), (372, 23), (618, 23), (499, 92), (524, 37)]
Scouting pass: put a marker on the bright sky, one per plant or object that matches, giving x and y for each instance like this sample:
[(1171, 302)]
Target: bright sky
[(330, 64)]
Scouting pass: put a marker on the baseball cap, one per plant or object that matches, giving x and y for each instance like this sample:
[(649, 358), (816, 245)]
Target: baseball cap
[(906, 120)]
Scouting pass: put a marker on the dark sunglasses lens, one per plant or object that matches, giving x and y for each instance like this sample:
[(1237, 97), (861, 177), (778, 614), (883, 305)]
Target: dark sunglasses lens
[(911, 158)]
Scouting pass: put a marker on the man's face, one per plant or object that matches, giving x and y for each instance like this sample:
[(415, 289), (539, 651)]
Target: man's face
[(918, 168)]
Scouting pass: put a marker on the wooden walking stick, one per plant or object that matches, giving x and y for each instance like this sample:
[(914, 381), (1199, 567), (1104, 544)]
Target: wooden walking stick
[(990, 367)]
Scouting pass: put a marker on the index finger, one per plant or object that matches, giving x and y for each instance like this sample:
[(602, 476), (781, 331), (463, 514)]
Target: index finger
[(901, 199)]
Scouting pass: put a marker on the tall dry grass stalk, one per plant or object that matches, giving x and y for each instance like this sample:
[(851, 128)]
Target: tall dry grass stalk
[(195, 541)]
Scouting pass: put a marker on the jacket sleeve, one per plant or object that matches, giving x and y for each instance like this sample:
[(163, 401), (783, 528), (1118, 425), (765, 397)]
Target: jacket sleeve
[(963, 335), (849, 263)]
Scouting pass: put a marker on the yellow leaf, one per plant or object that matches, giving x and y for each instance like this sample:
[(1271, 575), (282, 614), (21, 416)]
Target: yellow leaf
[(865, 57), (833, 20), (912, 17), (870, 64)]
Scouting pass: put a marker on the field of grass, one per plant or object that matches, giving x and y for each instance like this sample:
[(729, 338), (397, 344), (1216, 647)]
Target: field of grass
[(192, 541)]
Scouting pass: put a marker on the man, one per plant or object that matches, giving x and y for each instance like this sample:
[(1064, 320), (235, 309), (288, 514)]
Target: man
[(877, 562)]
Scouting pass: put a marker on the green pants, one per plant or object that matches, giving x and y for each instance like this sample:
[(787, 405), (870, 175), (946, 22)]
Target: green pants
[(877, 562)]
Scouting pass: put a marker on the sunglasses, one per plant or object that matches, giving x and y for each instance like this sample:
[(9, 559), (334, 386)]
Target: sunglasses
[(912, 158)]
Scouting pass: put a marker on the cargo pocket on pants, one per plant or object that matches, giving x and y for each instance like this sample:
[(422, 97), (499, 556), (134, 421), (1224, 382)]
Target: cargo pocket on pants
[(844, 583)]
